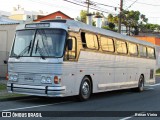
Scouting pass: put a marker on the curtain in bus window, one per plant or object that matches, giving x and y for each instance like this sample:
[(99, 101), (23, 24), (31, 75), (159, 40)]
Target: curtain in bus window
[(132, 48), (143, 51), (121, 47), (91, 41), (107, 44), (150, 52)]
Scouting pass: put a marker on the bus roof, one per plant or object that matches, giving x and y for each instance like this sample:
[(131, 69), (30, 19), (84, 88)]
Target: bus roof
[(77, 26), (83, 26)]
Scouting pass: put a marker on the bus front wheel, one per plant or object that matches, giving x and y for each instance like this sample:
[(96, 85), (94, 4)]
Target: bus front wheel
[(85, 89)]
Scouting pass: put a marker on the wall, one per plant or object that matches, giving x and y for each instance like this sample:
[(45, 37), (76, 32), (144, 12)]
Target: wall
[(6, 37), (53, 16), (16, 17)]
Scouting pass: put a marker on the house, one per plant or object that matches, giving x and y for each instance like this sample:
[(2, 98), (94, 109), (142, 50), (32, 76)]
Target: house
[(55, 15), (21, 14), (7, 32)]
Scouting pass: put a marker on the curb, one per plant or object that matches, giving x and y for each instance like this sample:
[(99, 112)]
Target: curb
[(15, 98)]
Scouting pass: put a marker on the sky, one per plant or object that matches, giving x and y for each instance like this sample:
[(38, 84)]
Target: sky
[(150, 8)]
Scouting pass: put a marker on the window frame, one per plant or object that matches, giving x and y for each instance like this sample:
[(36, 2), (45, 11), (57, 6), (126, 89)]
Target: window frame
[(148, 54), (125, 44), (129, 51), (140, 52), (58, 17), (102, 45), (74, 59), (86, 42)]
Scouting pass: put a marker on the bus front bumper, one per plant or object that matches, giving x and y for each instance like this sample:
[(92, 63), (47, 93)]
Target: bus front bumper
[(58, 91)]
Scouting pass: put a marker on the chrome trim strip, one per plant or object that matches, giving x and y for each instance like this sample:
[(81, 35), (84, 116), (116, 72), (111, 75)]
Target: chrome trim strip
[(61, 88)]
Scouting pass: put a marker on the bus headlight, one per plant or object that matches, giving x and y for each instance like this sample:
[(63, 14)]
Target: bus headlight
[(45, 80), (13, 77), (48, 80)]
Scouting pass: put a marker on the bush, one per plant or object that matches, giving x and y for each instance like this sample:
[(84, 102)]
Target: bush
[(158, 70)]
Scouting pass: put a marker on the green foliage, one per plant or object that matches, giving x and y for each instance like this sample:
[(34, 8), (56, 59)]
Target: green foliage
[(158, 70), (3, 87), (112, 19), (93, 23), (131, 19), (108, 28), (83, 15), (150, 27), (111, 25)]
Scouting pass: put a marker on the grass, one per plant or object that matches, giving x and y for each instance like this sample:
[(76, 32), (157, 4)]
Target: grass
[(5, 95), (3, 87)]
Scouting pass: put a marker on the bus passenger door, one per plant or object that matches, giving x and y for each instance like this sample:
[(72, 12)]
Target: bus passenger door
[(69, 71)]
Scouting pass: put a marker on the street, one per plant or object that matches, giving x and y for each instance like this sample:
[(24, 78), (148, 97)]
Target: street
[(123, 100)]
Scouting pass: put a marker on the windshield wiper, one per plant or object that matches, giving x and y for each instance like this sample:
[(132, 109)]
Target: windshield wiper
[(39, 50), (25, 50)]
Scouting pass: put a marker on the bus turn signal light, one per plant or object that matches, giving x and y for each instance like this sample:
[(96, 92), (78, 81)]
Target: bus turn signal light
[(56, 80)]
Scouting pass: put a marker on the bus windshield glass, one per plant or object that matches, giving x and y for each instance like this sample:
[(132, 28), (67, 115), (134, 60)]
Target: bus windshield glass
[(38, 43)]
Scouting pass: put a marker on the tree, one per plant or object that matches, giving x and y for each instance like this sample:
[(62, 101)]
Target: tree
[(130, 19), (83, 15)]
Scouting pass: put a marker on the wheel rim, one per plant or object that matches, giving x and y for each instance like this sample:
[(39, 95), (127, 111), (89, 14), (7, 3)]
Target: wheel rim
[(141, 85), (85, 89)]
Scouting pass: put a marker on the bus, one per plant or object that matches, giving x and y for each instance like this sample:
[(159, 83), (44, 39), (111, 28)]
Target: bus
[(58, 58)]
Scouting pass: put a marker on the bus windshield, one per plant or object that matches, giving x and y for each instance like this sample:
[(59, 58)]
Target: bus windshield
[(39, 43)]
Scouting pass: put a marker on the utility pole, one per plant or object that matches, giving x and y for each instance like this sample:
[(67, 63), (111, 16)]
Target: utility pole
[(88, 3), (120, 16), (89, 16)]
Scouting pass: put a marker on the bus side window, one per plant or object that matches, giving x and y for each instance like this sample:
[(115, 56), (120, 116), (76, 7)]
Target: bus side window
[(83, 40), (151, 53), (121, 47), (89, 41), (71, 54), (142, 51), (132, 49), (107, 44)]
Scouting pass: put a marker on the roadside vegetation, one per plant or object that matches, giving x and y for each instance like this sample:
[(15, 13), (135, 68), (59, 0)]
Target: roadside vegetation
[(3, 87), (5, 95), (158, 71)]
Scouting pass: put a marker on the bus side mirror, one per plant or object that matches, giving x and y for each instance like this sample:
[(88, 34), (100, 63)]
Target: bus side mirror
[(69, 41)]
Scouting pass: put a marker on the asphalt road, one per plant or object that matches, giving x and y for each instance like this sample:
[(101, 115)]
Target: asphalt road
[(117, 105)]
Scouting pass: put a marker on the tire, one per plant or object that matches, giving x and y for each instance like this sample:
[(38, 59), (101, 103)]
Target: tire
[(140, 87), (85, 89)]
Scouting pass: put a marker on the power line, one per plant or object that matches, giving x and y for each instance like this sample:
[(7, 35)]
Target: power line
[(95, 4), (148, 4), (105, 5), (132, 4), (85, 6)]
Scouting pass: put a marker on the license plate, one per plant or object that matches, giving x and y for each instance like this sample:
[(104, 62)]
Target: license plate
[(29, 77)]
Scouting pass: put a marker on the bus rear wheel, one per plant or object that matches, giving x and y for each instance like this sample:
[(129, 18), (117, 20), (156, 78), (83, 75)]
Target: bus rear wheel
[(85, 89), (140, 87)]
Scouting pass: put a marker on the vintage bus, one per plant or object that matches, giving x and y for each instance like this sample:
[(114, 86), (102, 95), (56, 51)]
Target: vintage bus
[(60, 58)]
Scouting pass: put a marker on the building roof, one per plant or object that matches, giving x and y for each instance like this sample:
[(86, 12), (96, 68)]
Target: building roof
[(50, 16), (7, 21)]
